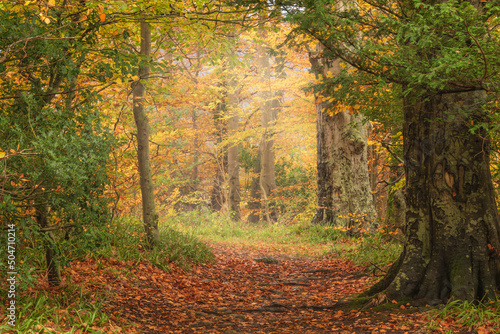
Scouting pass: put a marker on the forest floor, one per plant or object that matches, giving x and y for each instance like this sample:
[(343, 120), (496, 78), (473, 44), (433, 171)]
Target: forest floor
[(246, 290)]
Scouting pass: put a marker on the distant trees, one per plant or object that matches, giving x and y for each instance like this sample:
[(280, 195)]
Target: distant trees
[(70, 72), (226, 184), (265, 182), (233, 165)]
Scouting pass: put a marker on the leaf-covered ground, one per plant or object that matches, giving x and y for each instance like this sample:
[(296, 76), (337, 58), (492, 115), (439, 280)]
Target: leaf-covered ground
[(244, 291)]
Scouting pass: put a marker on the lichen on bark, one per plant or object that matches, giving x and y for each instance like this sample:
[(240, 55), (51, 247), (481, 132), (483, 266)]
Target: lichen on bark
[(451, 210)]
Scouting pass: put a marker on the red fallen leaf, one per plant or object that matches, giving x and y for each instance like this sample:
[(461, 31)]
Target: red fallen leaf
[(482, 330)]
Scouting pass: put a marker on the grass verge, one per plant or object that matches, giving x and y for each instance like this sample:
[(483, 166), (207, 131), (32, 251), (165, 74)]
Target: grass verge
[(481, 317), (128, 242), (68, 309)]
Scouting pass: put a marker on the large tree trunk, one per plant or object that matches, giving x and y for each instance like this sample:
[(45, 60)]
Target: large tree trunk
[(344, 192), (149, 215), (452, 226)]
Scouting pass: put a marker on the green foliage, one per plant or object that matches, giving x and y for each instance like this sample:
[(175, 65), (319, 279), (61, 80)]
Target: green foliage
[(52, 129), (124, 240), (321, 233), (70, 244), (295, 192), (411, 50), (127, 241), (376, 250), (468, 314), (69, 311)]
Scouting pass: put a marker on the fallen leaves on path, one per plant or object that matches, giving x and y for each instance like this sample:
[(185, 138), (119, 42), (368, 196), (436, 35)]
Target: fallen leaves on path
[(243, 291)]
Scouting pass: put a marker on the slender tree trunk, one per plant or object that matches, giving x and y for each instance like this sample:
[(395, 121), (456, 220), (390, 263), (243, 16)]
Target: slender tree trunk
[(344, 191), (377, 173), (149, 215), (196, 160), (267, 178), (452, 222), (254, 201), (196, 156), (53, 268), (232, 152), (190, 176), (218, 196)]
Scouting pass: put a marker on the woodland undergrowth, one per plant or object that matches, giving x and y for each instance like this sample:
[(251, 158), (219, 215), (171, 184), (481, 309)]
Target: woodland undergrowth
[(185, 240)]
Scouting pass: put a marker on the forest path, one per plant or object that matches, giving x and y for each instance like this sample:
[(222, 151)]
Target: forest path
[(248, 291)]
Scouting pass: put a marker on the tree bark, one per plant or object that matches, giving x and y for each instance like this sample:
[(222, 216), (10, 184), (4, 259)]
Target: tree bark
[(232, 152), (53, 268), (218, 196), (189, 187), (267, 177), (378, 174), (254, 200), (149, 215), (452, 226), (344, 191)]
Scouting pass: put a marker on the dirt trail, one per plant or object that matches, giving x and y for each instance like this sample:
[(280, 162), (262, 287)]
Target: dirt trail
[(248, 291)]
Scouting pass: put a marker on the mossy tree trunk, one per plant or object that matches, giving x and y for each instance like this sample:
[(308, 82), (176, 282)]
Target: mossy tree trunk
[(344, 191), (452, 225)]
